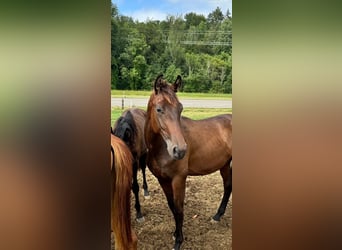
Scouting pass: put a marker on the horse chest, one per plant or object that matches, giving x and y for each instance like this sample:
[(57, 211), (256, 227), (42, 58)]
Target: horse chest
[(163, 167)]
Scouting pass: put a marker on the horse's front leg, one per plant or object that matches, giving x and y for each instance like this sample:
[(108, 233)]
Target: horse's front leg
[(167, 188), (178, 187)]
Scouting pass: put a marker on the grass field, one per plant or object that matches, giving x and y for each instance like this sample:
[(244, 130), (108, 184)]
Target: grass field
[(132, 93), (193, 113)]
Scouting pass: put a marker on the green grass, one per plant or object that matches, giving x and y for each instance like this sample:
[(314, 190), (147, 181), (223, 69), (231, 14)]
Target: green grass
[(201, 113), (115, 114), (143, 93), (193, 113)]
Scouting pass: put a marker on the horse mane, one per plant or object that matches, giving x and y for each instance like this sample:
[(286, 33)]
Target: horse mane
[(122, 176), (126, 123)]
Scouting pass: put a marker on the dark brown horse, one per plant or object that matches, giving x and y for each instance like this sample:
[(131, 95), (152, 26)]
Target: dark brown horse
[(121, 169), (130, 128), (178, 147)]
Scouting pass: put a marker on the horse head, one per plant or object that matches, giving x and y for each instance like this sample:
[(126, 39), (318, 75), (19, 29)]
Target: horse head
[(164, 111)]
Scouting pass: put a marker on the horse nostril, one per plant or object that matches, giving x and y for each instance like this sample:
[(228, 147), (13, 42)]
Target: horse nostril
[(175, 150), (182, 153), (178, 153)]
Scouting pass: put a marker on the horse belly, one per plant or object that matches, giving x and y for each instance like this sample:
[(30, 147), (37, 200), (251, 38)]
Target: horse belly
[(207, 163)]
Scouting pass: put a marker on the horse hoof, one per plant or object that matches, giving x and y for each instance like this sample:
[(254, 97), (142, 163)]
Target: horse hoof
[(147, 197), (213, 221), (140, 220)]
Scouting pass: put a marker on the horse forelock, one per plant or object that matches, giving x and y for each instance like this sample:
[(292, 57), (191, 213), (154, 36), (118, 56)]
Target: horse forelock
[(171, 99), (168, 94)]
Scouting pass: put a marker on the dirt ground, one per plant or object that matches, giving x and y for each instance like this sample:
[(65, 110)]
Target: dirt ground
[(203, 196)]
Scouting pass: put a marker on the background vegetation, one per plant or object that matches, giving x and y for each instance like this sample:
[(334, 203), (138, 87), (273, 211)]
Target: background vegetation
[(196, 47)]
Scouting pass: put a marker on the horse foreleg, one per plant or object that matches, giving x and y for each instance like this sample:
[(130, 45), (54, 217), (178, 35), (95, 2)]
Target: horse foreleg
[(178, 187), (142, 163), (167, 188), (226, 173), (135, 188)]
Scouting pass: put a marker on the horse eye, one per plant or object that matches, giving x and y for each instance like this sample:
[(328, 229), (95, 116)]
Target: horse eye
[(159, 110)]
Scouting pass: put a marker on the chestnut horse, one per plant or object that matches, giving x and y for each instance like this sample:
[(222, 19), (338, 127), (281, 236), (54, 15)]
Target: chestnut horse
[(121, 170), (130, 128), (178, 147)]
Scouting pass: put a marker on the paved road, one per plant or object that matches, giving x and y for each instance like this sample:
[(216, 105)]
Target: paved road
[(187, 103)]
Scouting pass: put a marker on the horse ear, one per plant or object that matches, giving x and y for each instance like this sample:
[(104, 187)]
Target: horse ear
[(177, 84), (158, 83)]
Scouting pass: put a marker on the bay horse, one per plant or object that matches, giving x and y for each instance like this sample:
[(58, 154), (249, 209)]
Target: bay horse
[(130, 128), (121, 172), (178, 147)]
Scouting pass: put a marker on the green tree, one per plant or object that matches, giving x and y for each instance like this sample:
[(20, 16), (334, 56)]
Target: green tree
[(154, 39), (172, 72), (143, 50), (133, 79), (193, 19), (216, 16), (138, 72)]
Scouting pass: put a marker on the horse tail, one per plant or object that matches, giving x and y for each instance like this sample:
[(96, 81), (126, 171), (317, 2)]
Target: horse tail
[(121, 210)]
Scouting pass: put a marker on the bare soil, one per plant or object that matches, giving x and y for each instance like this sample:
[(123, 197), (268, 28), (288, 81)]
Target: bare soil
[(202, 198)]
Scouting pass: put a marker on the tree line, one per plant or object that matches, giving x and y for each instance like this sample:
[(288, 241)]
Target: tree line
[(196, 47)]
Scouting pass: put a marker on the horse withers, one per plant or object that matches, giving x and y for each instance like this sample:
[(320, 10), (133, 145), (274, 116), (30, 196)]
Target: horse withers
[(130, 128), (121, 171), (178, 147)]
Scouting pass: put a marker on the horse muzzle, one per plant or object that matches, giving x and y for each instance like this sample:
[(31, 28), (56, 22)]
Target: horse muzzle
[(179, 152)]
